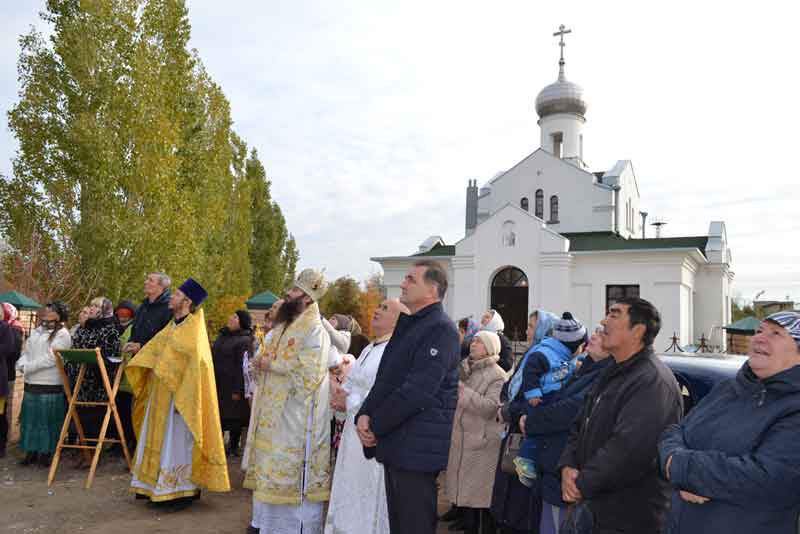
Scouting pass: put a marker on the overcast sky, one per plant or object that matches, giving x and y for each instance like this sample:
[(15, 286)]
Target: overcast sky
[(370, 117)]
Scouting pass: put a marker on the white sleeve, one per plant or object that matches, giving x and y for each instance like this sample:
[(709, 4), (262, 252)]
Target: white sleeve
[(22, 362), (335, 358)]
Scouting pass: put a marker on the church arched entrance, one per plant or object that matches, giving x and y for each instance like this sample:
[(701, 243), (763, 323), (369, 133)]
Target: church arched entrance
[(509, 296)]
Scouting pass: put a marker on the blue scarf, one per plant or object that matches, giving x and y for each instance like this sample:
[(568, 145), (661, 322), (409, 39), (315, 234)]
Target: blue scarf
[(543, 329)]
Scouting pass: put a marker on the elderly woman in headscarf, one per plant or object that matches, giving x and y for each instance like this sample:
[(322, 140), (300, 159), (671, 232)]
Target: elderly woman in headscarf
[(99, 331), (475, 441), (734, 462), (511, 500), (342, 330), (491, 321)]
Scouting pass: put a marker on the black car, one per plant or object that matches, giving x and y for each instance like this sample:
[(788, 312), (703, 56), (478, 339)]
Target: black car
[(697, 373)]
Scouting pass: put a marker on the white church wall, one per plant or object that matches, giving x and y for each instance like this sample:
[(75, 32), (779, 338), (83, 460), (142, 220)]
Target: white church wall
[(630, 220), (570, 127), (582, 206), (486, 252), (659, 274), (629, 223), (712, 306), (463, 301), (554, 282), (581, 304)]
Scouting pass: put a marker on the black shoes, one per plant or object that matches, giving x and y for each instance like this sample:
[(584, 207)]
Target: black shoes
[(451, 515), (30, 458), (174, 505), (252, 530)]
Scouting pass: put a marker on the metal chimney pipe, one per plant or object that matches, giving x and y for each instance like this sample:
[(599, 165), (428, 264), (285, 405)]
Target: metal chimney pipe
[(644, 222)]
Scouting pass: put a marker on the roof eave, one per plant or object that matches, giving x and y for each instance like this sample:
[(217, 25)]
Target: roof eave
[(692, 250)]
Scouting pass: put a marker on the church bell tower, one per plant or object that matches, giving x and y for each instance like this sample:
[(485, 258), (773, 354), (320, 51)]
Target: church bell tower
[(562, 109)]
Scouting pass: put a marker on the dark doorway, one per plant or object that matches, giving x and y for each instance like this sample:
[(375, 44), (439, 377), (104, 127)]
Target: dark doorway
[(510, 299)]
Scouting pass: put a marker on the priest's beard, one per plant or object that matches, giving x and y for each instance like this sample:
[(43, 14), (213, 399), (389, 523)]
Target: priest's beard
[(290, 310)]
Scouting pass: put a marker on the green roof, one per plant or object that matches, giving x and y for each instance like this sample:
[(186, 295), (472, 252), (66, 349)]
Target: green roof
[(439, 250), (262, 301), (748, 325), (592, 241), (20, 301)]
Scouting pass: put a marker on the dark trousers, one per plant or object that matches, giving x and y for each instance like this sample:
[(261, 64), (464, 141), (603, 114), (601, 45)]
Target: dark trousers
[(4, 420), (234, 428), (124, 402), (479, 521), (411, 499)]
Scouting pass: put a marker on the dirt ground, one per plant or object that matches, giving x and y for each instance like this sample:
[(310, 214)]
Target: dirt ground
[(29, 507)]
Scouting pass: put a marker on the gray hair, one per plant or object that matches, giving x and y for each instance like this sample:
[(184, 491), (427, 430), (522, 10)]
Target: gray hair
[(434, 274), (163, 280), (105, 305)]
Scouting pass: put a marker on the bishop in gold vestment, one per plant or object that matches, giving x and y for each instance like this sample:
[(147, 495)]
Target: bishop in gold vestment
[(289, 464), (180, 448)]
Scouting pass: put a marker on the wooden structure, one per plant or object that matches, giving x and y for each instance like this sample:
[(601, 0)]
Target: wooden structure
[(739, 334), (259, 305), (26, 306), (86, 357)]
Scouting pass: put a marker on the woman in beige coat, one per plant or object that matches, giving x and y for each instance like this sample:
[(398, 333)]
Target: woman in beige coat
[(475, 442)]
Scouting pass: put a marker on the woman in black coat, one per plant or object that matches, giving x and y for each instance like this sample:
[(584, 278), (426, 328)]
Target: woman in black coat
[(493, 322), (99, 331), (514, 506), (234, 343), (10, 346)]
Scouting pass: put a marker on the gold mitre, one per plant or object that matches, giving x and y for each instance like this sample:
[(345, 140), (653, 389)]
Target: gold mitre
[(313, 283)]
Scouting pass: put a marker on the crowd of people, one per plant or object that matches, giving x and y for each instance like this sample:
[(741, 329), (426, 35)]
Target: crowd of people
[(340, 434)]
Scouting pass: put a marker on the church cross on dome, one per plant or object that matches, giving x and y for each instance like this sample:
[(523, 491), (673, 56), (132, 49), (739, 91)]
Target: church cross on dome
[(562, 31)]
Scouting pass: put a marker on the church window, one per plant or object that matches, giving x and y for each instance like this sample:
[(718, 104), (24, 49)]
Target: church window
[(618, 292), (553, 209), (539, 207), (523, 203), (558, 142), (628, 214), (510, 277)]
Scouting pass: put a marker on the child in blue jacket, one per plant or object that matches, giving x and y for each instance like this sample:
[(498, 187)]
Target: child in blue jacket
[(547, 369)]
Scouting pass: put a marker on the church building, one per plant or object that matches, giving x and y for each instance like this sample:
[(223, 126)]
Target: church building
[(551, 234)]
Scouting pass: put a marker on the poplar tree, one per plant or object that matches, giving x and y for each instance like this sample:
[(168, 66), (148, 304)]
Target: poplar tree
[(128, 163)]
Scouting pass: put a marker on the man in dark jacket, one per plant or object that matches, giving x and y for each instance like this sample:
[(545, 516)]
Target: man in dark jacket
[(550, 426), (407, 418), (610, 460), (152, 315)]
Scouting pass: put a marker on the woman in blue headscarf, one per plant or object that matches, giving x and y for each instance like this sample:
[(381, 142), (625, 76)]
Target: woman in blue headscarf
[(512, 502), (467, 327)]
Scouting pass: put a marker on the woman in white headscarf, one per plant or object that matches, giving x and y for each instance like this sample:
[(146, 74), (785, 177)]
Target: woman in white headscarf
[(491, 321)]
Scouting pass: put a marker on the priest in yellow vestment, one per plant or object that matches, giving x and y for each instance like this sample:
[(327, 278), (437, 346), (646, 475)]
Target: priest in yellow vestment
[(289, 464), (180, 449)]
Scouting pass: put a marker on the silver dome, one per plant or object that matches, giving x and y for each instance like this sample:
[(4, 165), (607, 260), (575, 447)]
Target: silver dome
[(562, 96)]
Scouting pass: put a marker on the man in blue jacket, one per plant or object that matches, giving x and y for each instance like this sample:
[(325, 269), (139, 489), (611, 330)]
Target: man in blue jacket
[(407, 418)]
